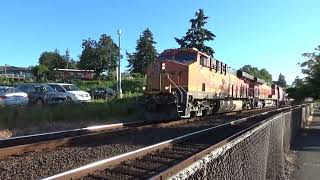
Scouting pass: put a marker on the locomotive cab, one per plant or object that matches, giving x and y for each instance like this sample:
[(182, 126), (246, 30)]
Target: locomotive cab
[(167, 80)]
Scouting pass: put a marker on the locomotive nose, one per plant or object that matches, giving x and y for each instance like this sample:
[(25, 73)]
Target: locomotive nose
[(165, 76)]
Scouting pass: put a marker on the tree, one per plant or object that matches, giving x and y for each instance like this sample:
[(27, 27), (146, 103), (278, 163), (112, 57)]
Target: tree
[(310, 85), (88, 55), (282, 81), (71, 64), (262, 74), (197, 35), (297, 82), (99, 56), (265, 75), (52, 60), (299, 90), (311, 68), (41, 72), (145, 54)]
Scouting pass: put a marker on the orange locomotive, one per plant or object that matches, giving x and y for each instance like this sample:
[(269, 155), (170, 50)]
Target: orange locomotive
[(187, 82)]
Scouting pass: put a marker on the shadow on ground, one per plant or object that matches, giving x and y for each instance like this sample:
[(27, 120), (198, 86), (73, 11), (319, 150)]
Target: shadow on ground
[(307, 147), (308, 140)]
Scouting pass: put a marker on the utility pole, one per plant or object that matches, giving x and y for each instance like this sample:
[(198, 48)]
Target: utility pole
[(119, 71)]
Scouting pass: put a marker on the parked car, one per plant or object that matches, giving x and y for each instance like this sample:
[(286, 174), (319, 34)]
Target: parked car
[(42, 94), (102, 93), (12, 96), (71, 91)]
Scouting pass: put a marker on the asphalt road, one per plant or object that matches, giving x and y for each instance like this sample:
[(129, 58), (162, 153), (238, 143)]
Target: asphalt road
[(308, 151)]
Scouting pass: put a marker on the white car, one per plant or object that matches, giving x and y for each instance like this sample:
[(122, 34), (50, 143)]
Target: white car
[(12, 96), (71, 91)]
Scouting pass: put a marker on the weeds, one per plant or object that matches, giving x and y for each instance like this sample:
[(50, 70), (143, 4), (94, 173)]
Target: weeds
[(30, 116), (99, 110)]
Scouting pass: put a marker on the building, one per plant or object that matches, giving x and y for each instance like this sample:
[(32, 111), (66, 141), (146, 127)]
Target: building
[(17, 73), (68, 74), (126, 75)]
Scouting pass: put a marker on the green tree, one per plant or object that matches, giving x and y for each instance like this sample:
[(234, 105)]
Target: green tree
[(262, 73), (52, 60), (88, 55), (71, 64), (145, 54), (41, 72), (311, 68), (297, 82), (310, 85), (265, 75), (99, 56), (197, 35), (282, 81), (299, 90)]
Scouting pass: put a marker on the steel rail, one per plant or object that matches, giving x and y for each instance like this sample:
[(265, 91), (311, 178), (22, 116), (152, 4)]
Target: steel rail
[(36, 142), (172, 171), (19, 140), (103, 164)]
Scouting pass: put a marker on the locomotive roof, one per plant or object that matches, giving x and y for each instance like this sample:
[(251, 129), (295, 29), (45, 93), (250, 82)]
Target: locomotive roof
[(261, 81), (177, 50), (245, 75), (242, 74), (239, 73)]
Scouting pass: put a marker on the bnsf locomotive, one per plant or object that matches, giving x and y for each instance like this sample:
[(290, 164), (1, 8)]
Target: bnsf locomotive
[(187, 82)]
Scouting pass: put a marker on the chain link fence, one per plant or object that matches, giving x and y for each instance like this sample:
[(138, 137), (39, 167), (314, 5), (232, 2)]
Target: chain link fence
[(257, 154)]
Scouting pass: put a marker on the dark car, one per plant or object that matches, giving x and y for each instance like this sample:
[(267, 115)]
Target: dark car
[(102, 93), (42, 94)]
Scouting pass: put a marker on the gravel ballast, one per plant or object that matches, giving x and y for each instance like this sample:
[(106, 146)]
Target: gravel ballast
[(36, 165)]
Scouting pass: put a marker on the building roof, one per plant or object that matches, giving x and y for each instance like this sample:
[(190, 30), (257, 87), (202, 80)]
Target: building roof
[(13, 68), (73, 70)]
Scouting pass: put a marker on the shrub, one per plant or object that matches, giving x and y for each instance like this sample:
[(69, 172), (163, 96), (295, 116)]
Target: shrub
[(29, 116)]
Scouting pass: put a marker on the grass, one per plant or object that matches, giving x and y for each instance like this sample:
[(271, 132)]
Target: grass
[(10, 82), (98, 111), (87, 85), (102, 111)]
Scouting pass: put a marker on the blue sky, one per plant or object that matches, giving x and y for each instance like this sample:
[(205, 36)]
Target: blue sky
[(268, 34)]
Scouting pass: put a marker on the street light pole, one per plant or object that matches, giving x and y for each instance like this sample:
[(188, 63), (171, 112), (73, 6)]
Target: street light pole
[(119, 72)]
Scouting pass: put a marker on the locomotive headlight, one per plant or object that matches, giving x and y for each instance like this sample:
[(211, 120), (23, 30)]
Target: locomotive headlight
[(143, 88), (166, 87), (163, 66)]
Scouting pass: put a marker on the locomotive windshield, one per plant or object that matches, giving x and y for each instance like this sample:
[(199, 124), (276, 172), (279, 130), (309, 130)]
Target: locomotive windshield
[(181, 57)]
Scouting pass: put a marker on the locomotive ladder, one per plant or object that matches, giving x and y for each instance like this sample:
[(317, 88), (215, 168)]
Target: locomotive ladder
[(181, 91)]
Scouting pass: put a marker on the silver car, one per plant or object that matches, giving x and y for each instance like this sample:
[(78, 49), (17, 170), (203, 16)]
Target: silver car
[(12, 96)]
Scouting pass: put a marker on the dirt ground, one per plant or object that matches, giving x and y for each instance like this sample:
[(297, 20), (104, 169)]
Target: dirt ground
[(291, 164)]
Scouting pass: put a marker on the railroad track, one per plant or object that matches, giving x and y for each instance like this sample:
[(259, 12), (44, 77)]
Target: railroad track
[(84, 149), (164, 159), (36, 142)]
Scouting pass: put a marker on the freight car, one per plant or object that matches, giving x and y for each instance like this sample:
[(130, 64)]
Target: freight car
[(187, 82)]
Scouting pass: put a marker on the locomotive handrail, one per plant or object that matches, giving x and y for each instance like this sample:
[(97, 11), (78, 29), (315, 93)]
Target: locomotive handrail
[(176, 87), (183, 88)]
